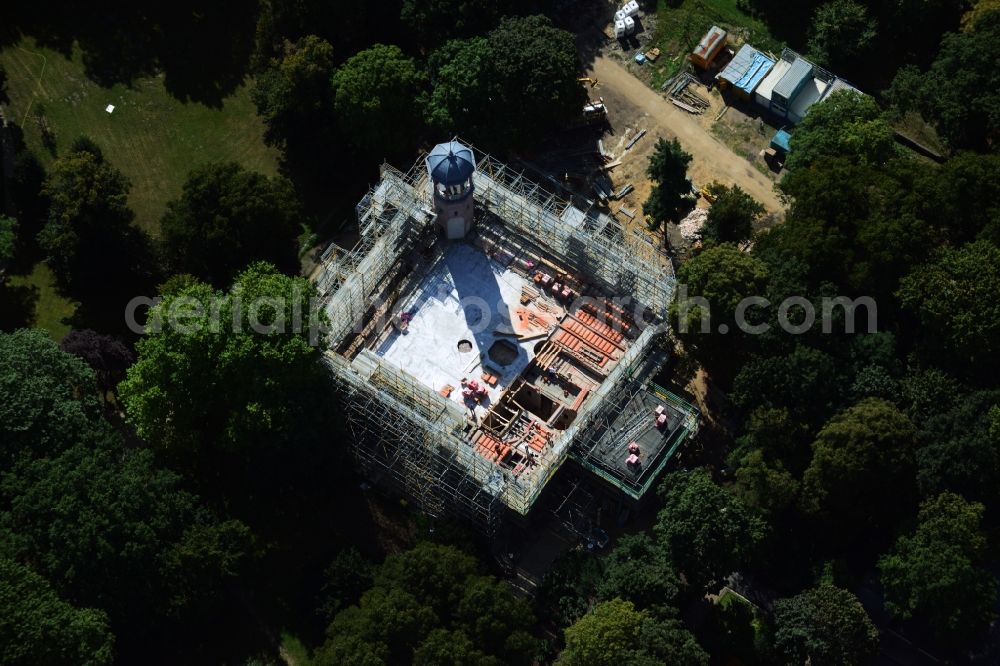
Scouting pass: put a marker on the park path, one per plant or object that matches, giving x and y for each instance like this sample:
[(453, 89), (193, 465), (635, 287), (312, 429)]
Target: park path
[(713, 160)]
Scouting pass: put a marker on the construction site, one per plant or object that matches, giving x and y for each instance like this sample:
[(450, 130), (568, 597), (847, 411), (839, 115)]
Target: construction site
[(484, 331)]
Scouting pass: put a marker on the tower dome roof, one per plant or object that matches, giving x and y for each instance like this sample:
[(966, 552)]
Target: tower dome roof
[(451, 163)]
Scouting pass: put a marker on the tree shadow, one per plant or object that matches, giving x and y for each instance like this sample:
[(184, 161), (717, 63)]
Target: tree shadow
[(202, 49), (17, 306)]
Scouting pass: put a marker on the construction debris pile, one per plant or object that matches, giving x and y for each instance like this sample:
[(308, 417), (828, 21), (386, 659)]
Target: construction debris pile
[(690, 227), (682, 94)]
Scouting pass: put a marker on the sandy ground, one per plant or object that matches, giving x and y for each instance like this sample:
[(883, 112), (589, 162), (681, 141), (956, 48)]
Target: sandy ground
[(633, 106)]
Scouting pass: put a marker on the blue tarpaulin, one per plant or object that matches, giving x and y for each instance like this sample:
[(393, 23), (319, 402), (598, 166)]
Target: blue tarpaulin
[(759, 68), (746, 69), (781, 141)]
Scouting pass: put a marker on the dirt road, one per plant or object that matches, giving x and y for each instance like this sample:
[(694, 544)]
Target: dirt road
[(641, 107)]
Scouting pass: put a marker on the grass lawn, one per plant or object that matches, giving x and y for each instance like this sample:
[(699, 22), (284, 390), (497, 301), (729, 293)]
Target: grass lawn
[(679, 29), (152, 137), (50, 308), (294, 651)]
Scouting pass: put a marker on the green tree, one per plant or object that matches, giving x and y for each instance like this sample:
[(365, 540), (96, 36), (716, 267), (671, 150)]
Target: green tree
[(935, 573), (960, 449), (8, 234), (88, 207), (434, 21), (841, 33), (857, 227), (732, 216), (430, 605), (465, 97), (48, 399), (95, 253), (344, 579), (805, 382), (671, 186), (614, 632), (84, 144), (713, 284), (964, 195), (294, 95), (979, 9), (847, 124), (434, 574), (862, 470), (376, 100), (824, 626), (100, 523), (723, 276), (568, 587), (450, 648), (228, 217), (707, 531), (960, 93), (535, 66), (494, 619), (640, 571), (764, 485), (37, 627), (229, 387), (208, 557), (956, 299)]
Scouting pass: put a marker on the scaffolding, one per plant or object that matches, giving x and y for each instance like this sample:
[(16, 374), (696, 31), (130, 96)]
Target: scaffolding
[(623, 418), (403, 431)]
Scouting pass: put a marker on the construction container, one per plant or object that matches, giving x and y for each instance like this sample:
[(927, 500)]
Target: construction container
[(631, 8), (619, 29), (620, 15), (709, 47), (629, 25)]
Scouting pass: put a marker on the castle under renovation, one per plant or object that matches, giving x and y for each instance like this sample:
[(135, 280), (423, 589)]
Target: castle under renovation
[(484, 331)]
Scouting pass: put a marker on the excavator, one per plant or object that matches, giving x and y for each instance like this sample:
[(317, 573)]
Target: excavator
[(593, 82)]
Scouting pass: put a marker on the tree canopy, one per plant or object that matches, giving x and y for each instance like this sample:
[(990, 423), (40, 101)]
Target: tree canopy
[(8, 234), (671, 186), (99, 521), (430, 604), (48, 399), (960, 92), (732, 216), (465, 95), (235, 377), (434, 21), (294, 95), (376, 100), (934, 573), (723, 276), (707, 531), (535, 65), (640, 571), (95, 253), (225, 219), (614, 632), (862, 470), (956, 299), (959, 447), (841, 33), (847, 124), (37, 627), (824, 626)]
